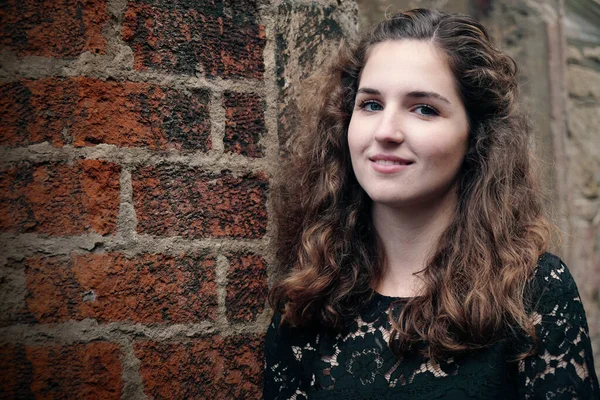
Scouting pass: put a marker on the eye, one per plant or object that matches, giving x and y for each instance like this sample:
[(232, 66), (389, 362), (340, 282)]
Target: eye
[(370, 105), (425, 110)]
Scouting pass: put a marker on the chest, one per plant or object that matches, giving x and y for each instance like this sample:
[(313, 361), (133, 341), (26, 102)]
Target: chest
[(358, 364)]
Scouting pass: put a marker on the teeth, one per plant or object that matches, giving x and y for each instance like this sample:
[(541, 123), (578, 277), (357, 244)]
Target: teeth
[(388, 162)]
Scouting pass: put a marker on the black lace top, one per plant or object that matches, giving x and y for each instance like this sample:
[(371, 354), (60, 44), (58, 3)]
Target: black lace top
[(358, 364)]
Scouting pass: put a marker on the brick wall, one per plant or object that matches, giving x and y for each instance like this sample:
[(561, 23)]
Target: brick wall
[(137, 144)]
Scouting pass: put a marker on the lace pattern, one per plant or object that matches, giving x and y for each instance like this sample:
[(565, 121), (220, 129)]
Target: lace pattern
[(357, 362), (565, 355)]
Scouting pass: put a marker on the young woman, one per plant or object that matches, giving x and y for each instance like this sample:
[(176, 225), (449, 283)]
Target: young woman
[(411, 234)]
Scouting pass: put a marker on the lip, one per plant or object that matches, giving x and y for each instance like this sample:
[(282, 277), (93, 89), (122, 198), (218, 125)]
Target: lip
[(392, 163)]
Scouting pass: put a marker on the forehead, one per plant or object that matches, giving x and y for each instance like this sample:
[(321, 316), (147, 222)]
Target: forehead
[(408, 65)]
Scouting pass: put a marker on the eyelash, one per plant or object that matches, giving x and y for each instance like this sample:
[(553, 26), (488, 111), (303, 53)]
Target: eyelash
[(435, 111), (363, 103)]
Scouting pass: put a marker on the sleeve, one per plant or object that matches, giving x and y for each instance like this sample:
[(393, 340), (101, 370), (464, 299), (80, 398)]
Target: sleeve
[(563, 365), (283, 371)]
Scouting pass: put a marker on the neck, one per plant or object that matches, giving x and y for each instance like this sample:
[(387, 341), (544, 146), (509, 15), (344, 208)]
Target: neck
[(409, 236)]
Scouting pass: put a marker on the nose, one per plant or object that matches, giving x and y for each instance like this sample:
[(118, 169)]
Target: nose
[(390, 127)]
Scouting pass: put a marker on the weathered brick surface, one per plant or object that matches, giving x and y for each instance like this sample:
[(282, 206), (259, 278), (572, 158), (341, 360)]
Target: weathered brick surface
[(246, 286), (189, 202), (48, 28), (245, 124), (86, 111), (60, 199), (55, 93), (37, 111), (149, 288), (211, 37), (207, 368), (138, 114), (16, 375), (78, 371)]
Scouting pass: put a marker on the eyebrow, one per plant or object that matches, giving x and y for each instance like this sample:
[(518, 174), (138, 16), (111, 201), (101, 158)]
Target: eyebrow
[(418, 94)]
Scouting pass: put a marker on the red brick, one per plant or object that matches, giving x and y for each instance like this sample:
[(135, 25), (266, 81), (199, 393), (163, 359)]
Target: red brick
[(16, 374), (244, 124), (78, 371), (138, 114), (207, 368), (37, 111), (184, 201), (151, 288), (60, 199), (83, 371), (246, 286), (89, 111), (48, 28), (178, 38)]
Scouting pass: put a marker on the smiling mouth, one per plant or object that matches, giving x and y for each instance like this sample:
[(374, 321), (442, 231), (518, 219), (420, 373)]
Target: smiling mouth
[(391, 162)]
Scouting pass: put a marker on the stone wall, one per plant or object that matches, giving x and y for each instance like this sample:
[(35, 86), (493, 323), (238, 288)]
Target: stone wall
[(582, 153), (561, 89), (137, 144)]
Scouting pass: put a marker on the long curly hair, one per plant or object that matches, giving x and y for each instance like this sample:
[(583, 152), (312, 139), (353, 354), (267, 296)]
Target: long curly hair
[(474, 283)]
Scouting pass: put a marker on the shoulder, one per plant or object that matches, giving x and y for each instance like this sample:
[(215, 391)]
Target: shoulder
[(552, 280), (278, 342), (281, 337), (274, 332), (552, 291), (551, 267), (562, 365), (283, 375)]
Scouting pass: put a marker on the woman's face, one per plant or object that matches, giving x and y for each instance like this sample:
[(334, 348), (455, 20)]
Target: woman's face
[(408, 132)]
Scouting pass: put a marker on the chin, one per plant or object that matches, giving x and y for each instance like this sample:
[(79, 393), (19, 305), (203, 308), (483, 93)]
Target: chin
[(405, 200), (389, 199)]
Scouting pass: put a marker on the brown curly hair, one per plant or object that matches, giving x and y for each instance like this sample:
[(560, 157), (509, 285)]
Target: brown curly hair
[(474, 284)]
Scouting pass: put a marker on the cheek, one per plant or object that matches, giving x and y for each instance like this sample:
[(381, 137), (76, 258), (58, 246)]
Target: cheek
[(354, 136), (448, 152)]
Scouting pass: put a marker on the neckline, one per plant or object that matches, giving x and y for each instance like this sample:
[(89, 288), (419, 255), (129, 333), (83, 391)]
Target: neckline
[(376, 294)]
